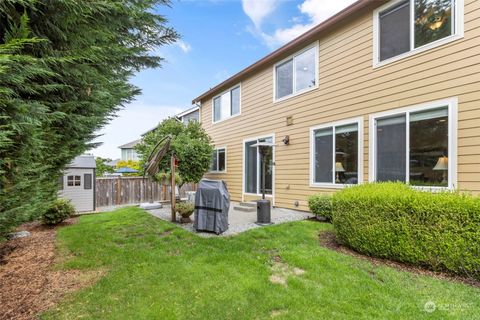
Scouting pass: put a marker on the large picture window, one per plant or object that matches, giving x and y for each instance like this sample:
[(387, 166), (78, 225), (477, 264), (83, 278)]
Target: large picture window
[(415, 146), (218, 160), (227, 104), (408, 25), (296, 74), (336, 154)]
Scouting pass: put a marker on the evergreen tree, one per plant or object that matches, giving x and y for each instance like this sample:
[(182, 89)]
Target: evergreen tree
[(64, 71)]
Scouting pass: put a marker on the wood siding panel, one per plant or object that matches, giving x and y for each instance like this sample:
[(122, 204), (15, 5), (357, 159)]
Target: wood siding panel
[(350, 87)]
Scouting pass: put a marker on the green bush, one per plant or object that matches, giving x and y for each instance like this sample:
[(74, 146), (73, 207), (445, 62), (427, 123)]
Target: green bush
[(60, 210), (440, 231), (185, 209), (321, 205)]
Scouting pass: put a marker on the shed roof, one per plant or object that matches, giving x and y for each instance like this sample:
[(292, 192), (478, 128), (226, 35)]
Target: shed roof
[(83, 161), (130, 145), (302, 40)]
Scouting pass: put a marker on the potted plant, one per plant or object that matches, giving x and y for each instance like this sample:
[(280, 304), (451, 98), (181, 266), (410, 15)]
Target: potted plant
[(185, 210)]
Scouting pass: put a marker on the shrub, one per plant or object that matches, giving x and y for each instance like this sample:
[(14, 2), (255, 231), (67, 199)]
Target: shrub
[(185, 209), (60, 210), (440, 231), (321, 205)]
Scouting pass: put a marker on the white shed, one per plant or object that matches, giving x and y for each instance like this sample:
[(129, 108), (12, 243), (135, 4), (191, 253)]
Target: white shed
[(78, 183)]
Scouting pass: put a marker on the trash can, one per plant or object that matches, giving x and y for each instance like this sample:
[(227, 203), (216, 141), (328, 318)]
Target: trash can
[(212, 202)]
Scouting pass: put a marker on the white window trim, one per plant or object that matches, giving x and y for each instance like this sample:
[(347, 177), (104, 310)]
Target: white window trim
[(360, 123), (294, 94), (458, 33), (217, 171), (239, 86), (271, 135), (452, 104)]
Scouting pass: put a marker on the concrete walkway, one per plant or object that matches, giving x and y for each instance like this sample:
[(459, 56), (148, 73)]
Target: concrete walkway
[(239, 221)]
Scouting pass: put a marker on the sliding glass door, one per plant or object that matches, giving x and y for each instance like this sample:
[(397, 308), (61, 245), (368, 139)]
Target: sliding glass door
[(253, 168)]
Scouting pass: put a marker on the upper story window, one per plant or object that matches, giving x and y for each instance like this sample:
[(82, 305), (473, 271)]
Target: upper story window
[(218, 160), (407, 26), (296, 74), (227, 104)]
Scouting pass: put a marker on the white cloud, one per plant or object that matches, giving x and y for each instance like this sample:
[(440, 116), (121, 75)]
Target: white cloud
[(258, 10), (129, 124), (316, 11), (186, 48)]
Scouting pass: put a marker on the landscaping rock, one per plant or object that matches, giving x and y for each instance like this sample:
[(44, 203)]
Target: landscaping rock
[(19, 234)]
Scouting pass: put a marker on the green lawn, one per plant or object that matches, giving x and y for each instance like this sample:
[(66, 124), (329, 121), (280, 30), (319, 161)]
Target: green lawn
[(156, 270)]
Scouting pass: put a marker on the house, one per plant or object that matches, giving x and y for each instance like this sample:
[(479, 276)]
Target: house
[(128, 150), (191, 114), (78, 183), (383, 90)]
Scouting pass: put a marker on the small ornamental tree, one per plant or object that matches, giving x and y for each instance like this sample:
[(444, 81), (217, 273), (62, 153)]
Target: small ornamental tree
[(191, 144), (102, 166)]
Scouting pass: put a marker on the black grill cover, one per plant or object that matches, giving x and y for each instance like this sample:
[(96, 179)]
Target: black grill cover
[(212, 202)]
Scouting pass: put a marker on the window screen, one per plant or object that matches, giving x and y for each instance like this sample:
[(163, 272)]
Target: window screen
[(284, 81), (235, 105), (250, 167), (395, 31), (391, 149), (323, 155)]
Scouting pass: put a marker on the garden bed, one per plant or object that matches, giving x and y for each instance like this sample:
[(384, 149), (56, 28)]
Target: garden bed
[(30, 284)]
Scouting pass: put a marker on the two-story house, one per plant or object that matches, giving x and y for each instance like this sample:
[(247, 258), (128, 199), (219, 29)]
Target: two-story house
[(382, 91)]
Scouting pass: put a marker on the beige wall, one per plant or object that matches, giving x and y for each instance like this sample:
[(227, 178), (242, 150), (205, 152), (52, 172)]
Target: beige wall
[(350, 87)]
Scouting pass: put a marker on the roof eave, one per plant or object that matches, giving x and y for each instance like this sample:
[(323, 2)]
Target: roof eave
[(302, 39)]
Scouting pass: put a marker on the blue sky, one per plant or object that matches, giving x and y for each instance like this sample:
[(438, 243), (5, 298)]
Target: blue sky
[(219, 38)]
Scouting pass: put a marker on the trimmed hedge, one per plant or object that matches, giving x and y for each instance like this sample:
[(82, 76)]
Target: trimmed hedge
[(58, 211), (440, 231), (321, 205)]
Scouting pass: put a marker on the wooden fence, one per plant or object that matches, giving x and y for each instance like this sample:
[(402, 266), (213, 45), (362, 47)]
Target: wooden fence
[(113, 191)]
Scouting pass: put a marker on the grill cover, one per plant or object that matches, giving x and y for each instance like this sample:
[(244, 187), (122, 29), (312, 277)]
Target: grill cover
[(212, 202)]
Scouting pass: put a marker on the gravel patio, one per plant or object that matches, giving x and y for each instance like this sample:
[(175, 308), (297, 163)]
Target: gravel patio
[(239, 221)]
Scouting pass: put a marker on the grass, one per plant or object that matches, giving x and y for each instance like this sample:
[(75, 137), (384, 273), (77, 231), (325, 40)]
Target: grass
[(156, 270)]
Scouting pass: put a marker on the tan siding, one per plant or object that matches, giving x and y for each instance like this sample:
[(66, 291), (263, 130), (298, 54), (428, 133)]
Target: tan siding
[(350, 87)]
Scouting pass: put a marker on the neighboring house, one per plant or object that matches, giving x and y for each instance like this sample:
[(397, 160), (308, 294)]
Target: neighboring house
[(128, 151), (78, 183), (113, 163), (380, 91), (192, 114)]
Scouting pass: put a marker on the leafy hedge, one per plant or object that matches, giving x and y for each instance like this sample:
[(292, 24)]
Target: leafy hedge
[(58, 211), (391, 220), (321, 205), (65, 70)]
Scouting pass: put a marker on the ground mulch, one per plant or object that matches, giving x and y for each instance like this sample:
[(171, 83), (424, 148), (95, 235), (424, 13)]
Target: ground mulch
[(29, 283), (328, 239)]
